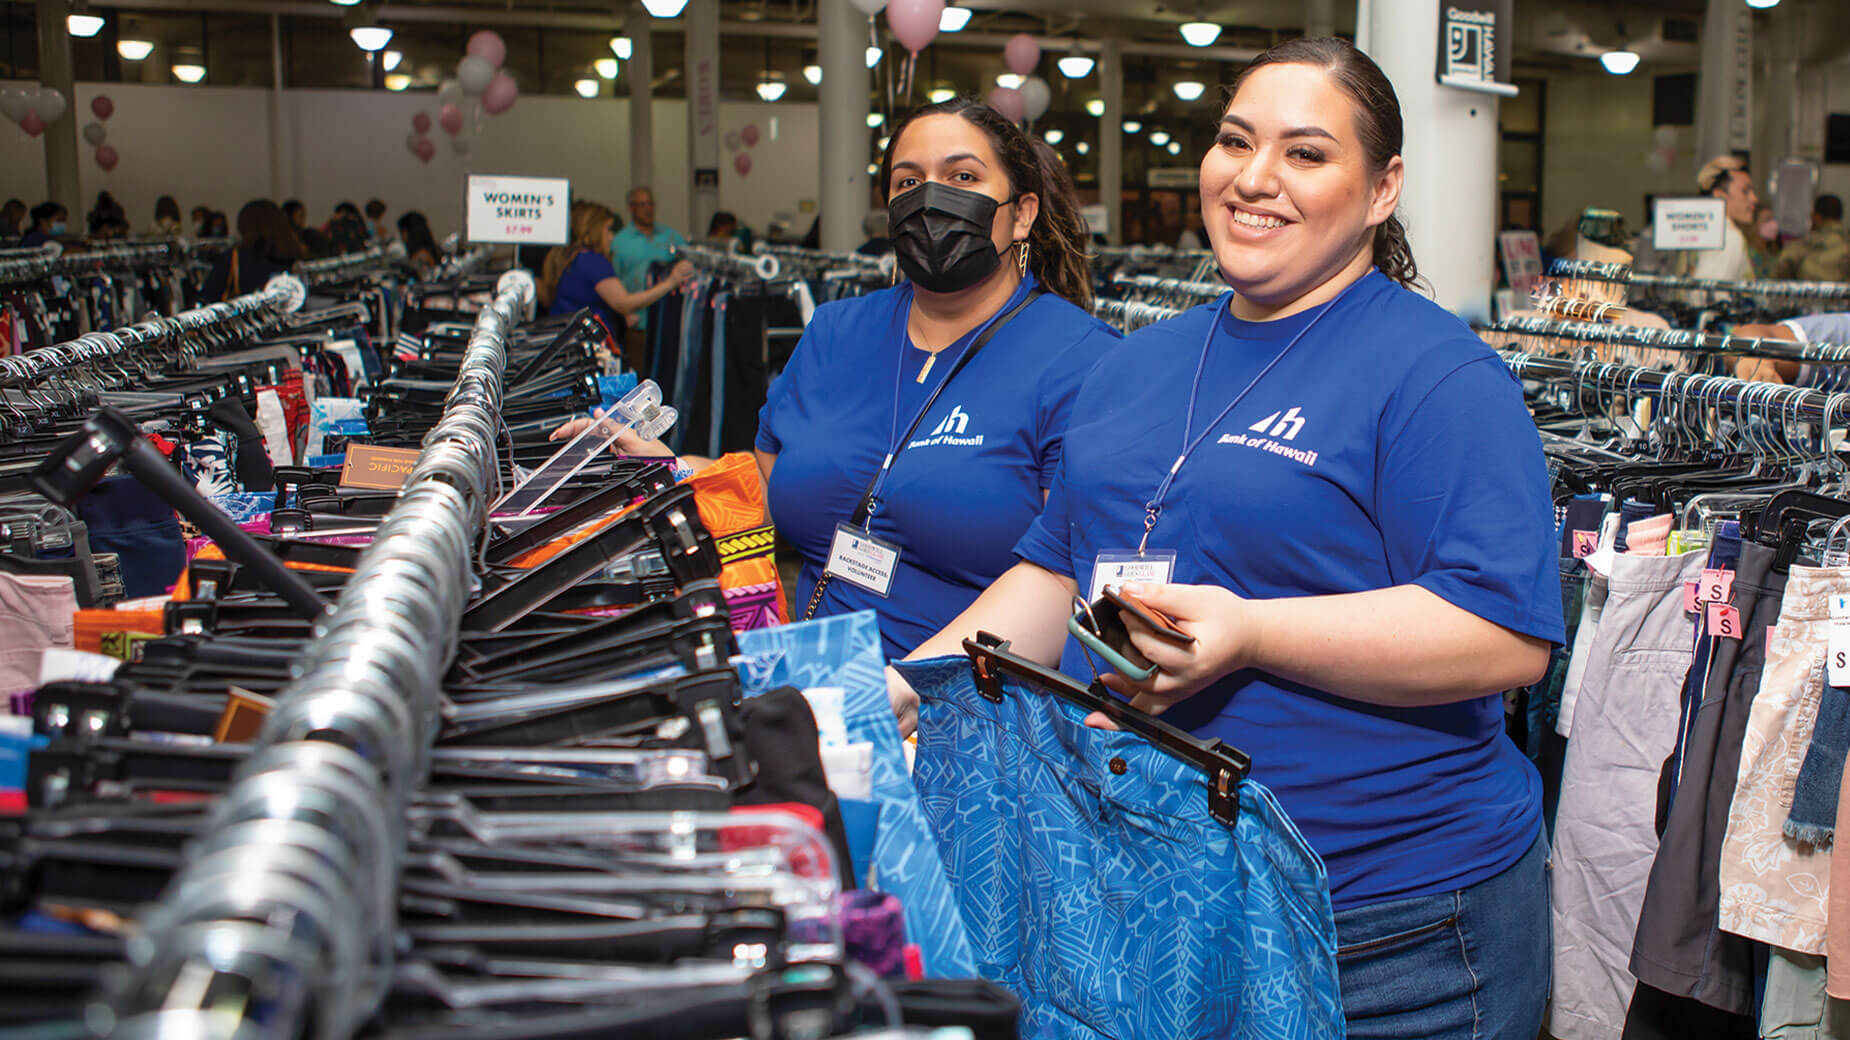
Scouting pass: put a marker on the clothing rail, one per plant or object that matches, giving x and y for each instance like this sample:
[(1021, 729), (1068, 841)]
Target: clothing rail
[(463, 265), (1130, 315), (1149, 253), (822, 259), (1623, 274), (1170, 286), (336, 268), (732, 265), (1773, 401), (288, 896), (33, 266), (1670, 339)]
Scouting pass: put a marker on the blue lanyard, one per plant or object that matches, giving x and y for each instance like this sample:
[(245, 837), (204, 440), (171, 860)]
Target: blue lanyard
[(1190, 441)]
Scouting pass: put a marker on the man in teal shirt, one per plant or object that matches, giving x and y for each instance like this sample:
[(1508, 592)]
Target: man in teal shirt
[(635, 248)]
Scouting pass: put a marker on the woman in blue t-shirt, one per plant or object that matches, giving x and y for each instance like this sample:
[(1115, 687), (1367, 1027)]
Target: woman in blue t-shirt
[(580, 274), (1357, 533), (959, 379)]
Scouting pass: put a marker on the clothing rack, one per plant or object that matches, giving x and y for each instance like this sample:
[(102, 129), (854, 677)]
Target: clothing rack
[(1170, 286), (33, 366), (1149, 253), (1671, 339), (1623, 274), (827, 263), (37, 265), (728, 264), (462, 265), (338, 268), (1130, 315), (288, 895), (1771, 401)]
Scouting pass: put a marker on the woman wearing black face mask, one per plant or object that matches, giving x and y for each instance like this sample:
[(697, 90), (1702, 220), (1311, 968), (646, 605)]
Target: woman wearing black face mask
[(960, 378)]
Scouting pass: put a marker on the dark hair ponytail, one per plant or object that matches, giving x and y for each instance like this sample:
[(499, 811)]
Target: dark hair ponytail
[(1377, 122), (1057, 242)]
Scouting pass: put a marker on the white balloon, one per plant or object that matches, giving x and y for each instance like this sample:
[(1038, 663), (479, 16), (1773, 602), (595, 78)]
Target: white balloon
[(1656, 163), (50, 105), (474, 74), (411, 143), (870, 7), (450, 93), (94, 133), (1665, 136), (1035, 97), (14, 103)]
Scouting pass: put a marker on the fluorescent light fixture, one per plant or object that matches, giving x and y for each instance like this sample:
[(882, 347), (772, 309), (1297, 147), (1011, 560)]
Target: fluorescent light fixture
[(623, 47), (1055, 136), (812, 74), (874, 119), (1188, 90), (587, 88), (1175, 148), (1095, 107), (391, 60), (85, 25), (370, 38), (397, 81), (1010, 80), (1132, 126), (873, 56), (955, 18), (1620, 62), (1076, 66), (1761, 5), (1159, 138), (941, 95), (189, 73), (346, 3), (1082, 148), (1200, 34), (134, 50), (771, 89), (663, 8), (606, 67)]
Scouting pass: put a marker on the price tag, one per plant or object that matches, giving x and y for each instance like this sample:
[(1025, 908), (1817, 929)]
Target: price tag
[(1692, 603), (1715, 586), (1724, 621), (1585, 542)]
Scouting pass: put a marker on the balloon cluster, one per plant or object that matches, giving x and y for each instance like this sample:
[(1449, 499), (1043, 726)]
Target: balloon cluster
[(33, 108), (746, 138), (102, 108), (1030, 100), (479, 76)]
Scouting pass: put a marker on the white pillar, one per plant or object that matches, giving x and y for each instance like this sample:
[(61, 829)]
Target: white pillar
[(640, 69), (60, 137), (282, 170), (1449, 202), (1725, 83), (701, 19), (1111, 137), (842, 116)]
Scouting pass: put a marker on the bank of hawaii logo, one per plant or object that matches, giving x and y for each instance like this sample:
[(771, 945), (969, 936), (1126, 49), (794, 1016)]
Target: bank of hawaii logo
[(957, 422), (951, 431), (1272, 434)]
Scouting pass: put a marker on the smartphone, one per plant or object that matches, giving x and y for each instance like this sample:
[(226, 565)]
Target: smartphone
[(1164, 625)]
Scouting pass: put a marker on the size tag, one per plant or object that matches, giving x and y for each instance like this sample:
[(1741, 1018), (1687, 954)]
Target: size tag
[(1119, 567), (862, 560), (1715, 586), (1724, 621), (1585, 542), (1692, 601)]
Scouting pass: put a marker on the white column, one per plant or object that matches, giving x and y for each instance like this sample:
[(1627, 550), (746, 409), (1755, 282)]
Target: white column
[(1725, 83), (702, 69), (640, 71), (282, 170), (1449, 202), (1111, 137), (842, 118), (60, 137)]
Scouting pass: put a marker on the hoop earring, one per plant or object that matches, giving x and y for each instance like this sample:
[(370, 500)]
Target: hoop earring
[(1021, 256)]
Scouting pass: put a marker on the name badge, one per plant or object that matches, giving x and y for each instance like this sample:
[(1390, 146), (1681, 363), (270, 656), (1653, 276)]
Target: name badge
[(862, 560), (1119, 567)]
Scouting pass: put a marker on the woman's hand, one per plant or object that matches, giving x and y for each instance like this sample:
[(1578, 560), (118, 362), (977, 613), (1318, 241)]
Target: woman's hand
[(627, 443), (905, 701), (1223, 633), (680, 274)]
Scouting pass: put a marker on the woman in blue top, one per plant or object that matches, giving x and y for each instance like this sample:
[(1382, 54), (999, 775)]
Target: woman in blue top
[(978, 354), (1357, 533), (580, 275)]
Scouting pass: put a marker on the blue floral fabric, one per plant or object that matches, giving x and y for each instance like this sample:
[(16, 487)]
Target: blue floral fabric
[(1097, 887), (844, 651)]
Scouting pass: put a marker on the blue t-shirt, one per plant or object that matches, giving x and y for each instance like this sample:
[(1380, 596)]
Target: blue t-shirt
[(578, 289), (972, 476), (633, 252), (1389, 446)]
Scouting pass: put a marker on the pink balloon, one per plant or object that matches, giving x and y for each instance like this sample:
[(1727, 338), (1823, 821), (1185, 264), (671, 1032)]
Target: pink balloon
[(32, 124), (749, 135), (102, 106), (1022, 54), (106, 156), (451, 116), (427, 149), (742, 163), (489, 46), (1009, 102), (421, 123), (914, 22), (500, 95)]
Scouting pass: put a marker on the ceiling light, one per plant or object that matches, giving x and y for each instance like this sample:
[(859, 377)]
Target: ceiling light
[(85, 25), (1200, 34), (606, 67), (346, 3), (812, 74), (587, 88), (663, 8), (1159, 138), (883, 142), (1076, 66), (1189, 90), (392, 58), (1761, 5), (134, 50), (873, 56), (1009, 80), (370, 38), (1055, 136), (955, 18), (623, 47), (873, 169), (1132, 126), (1095, 107), (1175, 148), (189, 73), (1082, 148), (771, 89), (941, 95), (874, 119), (1619, 62), (397, 81)]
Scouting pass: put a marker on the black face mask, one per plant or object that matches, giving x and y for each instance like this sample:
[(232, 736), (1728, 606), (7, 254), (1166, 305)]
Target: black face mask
[(941, 236)]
